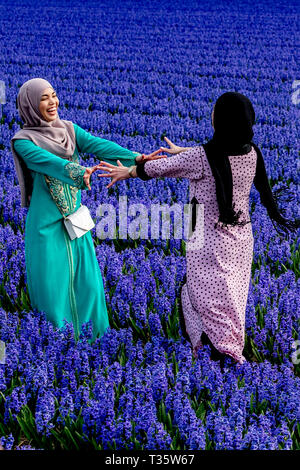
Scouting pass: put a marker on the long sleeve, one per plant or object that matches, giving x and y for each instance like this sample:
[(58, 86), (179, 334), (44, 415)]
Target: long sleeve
[(102, 148), (187, 164), (47, 163)]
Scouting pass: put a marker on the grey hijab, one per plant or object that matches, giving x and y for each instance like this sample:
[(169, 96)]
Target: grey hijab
[(58, 136)]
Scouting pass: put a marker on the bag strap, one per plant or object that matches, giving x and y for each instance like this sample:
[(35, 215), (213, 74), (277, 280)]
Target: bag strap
[(70, 214)]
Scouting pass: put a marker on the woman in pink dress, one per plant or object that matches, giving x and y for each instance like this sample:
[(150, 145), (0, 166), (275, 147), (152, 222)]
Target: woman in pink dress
[(221, 173)]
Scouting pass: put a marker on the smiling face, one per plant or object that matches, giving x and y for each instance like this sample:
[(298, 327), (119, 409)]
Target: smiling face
[(49, 104)]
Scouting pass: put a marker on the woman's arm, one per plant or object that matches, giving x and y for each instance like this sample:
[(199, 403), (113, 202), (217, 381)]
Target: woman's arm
[(188, 164), (41, 161), (102, 148)]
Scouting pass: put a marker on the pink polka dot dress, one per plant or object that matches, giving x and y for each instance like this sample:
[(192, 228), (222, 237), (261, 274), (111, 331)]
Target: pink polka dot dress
[(215, 294)]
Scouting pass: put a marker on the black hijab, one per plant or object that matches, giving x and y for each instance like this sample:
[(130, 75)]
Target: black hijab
[(233, 119)]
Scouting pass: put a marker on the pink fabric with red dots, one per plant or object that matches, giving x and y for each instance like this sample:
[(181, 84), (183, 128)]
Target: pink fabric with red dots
[(215, 294)]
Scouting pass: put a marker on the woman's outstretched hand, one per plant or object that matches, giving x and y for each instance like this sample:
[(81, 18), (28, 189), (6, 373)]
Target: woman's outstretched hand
[(150, 156), (120, 172), (117, 173), (174, 149), (88, 173)]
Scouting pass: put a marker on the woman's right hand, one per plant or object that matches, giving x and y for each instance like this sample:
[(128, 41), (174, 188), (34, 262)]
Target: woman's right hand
[(174, 148), (88, 172)]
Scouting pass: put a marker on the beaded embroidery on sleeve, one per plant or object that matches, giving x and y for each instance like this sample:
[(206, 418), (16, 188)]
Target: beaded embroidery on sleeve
[(58, 189), (76, 172)]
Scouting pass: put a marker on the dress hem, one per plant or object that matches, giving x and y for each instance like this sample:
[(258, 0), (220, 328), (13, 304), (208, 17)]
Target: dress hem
[(199, 345)]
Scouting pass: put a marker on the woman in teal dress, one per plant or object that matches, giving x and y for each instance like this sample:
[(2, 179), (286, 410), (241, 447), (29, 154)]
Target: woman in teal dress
[(63, 275)]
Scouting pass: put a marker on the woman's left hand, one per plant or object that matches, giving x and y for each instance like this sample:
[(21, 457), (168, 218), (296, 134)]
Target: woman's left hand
[(174, 149), (150, 156)]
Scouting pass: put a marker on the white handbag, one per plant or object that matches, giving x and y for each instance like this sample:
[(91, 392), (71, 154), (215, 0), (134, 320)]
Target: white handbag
[(78, 223)]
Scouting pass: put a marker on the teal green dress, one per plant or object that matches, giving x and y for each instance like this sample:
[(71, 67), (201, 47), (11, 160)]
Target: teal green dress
[(63, 275)]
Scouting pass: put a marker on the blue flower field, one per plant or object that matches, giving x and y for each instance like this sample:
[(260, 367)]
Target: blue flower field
[(133, 72)]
